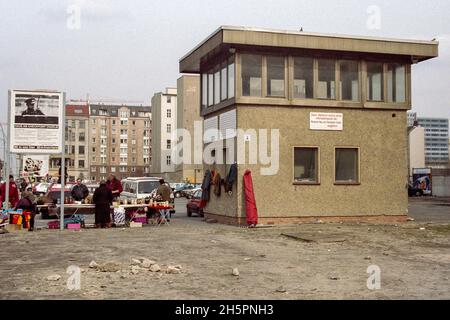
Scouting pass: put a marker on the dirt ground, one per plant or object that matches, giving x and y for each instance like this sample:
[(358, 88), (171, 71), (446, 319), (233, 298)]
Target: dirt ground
[(414, 259)]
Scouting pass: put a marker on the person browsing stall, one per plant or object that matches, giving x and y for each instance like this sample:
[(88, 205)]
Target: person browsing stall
[(79, 191), (102, 199), (114, 185)]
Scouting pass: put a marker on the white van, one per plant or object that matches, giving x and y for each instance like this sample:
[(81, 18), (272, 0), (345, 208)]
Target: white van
[(138, 188)]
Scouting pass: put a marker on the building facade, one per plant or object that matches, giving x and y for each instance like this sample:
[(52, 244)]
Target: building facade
[(328, 111), (416, 139), (436, 141), (76, 143), (120, 140), (164, 124), (188, 115)]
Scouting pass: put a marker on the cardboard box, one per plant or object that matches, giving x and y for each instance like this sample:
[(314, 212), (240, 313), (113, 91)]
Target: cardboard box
[(74, 226), (135, 224), (13, 227)]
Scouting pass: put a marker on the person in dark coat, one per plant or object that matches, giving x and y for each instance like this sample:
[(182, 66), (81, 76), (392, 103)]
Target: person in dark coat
[(102, 199), (27, 204), (79, 191), (66, 174)]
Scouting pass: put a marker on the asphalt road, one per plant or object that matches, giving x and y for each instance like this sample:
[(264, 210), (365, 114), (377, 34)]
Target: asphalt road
[(430, 210)]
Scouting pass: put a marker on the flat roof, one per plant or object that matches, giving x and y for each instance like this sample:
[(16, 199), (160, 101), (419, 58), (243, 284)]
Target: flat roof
[(418, 50)]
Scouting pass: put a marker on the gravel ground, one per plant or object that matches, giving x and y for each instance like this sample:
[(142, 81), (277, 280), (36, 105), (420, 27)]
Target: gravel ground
[(414, 259)]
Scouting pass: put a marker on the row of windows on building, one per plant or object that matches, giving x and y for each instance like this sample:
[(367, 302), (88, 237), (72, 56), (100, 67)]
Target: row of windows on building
[(73, 124), (122, 160), (104, 132), (122, 114), (54, 163), (123, 122), (306, 165), (104, 141), (116, 169), (312, 79), (218, 84)]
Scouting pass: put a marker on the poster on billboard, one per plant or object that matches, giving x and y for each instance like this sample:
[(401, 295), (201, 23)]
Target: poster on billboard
[(422, 179), (35, 165), (36, 121)]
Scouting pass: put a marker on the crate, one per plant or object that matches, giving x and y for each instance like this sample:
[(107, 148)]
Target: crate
[(53, 224), (74, 226), (142, 220)]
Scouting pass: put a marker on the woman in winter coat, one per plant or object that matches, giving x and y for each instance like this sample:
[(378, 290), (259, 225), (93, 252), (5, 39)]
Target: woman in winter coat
[(27, 204), (102, 199)]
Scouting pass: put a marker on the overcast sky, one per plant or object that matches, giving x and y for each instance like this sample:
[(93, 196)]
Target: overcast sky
[(129, 49)]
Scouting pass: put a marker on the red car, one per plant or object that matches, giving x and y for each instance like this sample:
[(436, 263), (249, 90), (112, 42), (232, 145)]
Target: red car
[(193, 206)]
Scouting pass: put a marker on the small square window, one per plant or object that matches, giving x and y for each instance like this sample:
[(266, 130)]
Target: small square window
[(346, 165), (306, 165)]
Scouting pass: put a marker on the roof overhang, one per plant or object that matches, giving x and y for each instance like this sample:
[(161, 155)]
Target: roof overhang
[(227, 37)]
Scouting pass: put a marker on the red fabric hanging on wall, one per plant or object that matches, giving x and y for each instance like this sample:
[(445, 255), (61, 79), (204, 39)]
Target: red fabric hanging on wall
[(250, 202)]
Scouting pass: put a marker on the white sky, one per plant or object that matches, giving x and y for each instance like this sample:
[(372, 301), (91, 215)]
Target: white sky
[(127, 50)]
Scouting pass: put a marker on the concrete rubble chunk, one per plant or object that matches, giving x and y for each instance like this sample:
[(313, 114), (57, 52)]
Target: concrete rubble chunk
[(136, 262), (147, 263), (53, 277), (135, 269), (281, 289), (173, 270), (109, 267), (93, 264), (155, 268), (235, 272)]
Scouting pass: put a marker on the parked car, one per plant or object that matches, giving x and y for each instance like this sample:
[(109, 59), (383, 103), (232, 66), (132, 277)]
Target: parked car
[(193, 206), (52, 198), (41, 188), (414, 191), (138, 188), (185, 189), (190, 193)]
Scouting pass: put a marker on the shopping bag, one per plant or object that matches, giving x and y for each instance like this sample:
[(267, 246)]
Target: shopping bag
[(119, 216)]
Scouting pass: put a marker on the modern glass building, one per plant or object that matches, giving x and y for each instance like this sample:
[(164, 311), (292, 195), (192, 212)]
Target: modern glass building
[(436, 140)]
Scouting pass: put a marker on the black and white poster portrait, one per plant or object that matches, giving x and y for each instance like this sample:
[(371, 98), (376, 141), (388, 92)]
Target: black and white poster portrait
[(35, 165), (36, 121)]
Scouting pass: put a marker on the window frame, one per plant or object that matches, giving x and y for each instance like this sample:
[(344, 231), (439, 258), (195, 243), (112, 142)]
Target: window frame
[(266, 76), (306, 183), (347, 183), (383, 84), (262, 68), (360, 80)]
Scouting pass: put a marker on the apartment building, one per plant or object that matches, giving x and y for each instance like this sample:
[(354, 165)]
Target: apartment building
[(339, 104), (120, 138), (436, 141), (76, 143), (164, 125), (188, 113)]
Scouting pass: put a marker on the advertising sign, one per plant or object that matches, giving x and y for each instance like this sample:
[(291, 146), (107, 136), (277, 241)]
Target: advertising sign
[(326, 121), (35, 165), (36, 122), (422, 179)]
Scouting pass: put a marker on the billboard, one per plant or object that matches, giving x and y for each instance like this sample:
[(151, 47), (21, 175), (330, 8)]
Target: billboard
[(422, 179), (35, 165), (36, 119)]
